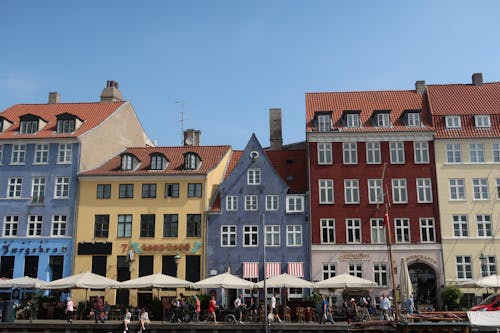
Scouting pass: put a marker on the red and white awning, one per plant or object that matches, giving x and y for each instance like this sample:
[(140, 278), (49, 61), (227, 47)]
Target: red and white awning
[(296, 269), (250, 270), (273, 269)]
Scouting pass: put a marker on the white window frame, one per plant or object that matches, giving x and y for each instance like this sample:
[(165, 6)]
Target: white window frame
[(489, 267), (325, 153), (424, 190), (377, 231), (453, 122), (59, 224), (250, 231), (253, 176), (457, 189), (421, 152), (353, 231), (495, 152), (228, 236), (350, 153), (383, 119), (10, 225), (231, 203), (15, 188), (482, 121), (61, 188), (476, 152), (373, 154), (399, 191), (272, 202), (38, 186), (251, 203), (327, 226), (34, 228), (352, 120), (325, 191), (380, 274), (41, 154), (355, 269), (1, 153), (351, 191), (328, 270), (402, 230), (18, 154), (427, 230), (272, 235), (484, 226), (453, 153), (397, 152), (294, 203), (413, 119), (324, 122), (294, 235), (460, 226), (64, 153), (480, 189), (464, 267), (375, 192)]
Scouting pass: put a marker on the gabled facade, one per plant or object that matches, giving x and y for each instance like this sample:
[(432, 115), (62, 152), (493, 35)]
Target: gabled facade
[(42, 148), (370, 153), (261, 202), (466, 118), (143, 212)]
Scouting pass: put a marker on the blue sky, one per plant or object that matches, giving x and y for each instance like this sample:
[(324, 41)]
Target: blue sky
[(230, 61)]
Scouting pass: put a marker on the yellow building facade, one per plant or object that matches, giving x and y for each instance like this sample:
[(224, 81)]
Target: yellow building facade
[(143, 213)]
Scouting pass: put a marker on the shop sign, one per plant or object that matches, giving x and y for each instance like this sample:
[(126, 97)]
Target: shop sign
[(417, 257), (29, 250), (354, 256), (160, 247)]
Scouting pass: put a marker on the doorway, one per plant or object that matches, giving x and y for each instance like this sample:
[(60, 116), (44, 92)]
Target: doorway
[(423, 278)]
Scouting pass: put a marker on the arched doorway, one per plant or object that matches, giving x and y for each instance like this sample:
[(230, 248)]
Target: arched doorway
[(423, 278)]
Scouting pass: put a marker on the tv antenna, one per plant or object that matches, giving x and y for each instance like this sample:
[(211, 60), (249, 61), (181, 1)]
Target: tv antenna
[(181, 120)]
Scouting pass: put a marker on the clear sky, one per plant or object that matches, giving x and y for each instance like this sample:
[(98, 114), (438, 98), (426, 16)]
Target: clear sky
[(228, 62)]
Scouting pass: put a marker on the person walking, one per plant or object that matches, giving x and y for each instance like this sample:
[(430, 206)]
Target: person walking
[(238, 304), (70, 308), (384, 307), (211, 309), (410, 304), (325, 312), (197, 309), (274, 309)]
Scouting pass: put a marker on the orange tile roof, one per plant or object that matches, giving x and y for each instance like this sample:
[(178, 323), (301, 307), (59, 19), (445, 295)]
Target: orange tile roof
[(466, 101), (92, 115), (292, 167), (235, 157), (367, 102), (210, 156)]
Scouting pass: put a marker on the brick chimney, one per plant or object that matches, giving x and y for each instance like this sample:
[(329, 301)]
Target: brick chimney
[(275, 129), (192, 137), (54, 97), (477, 79), (111, 93), (420, 87)]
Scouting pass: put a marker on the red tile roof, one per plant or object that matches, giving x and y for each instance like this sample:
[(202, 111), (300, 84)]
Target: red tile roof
[(210, 156), (92, 115), (466, 101), (367, 102), (292, 167), (235, 157)]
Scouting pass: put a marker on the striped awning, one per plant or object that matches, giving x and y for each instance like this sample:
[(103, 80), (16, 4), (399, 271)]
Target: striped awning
[(273, 269), (296, 269), (250, 270)]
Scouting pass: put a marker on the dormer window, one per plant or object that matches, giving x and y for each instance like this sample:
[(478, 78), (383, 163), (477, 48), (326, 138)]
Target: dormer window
[(413, 119), (352, 119), (324, 122), (158, 162), (453, 122), (29, 124), (4, 124), (482, 121), (191, 161), (67, 123), (129, 162), (382, 119)]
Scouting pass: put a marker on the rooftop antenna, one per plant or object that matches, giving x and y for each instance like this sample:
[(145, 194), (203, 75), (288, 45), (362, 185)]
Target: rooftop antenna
[(181, 120)]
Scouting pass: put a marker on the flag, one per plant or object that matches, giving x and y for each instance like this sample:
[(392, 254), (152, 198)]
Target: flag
[(386, 218)]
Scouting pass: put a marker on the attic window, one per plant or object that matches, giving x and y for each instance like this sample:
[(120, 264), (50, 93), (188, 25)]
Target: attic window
[(352, 119), (128, 162), (324, 122), (453, 122), (29, 126), (158, 162), (191, 161), (413, 119), (482, 121), (66, 125), (382, 118)]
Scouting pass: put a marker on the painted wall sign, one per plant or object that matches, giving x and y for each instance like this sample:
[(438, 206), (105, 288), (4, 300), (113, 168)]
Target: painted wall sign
[(354, 256), (28, 250), (421, 257), (160, 248)]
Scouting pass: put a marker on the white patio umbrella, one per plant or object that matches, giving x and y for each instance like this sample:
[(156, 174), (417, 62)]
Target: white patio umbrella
[(224, 280), (86, 280), (343, 281), (491, 281), (405, 285), (25, 282), (285, 281), (155, 281)]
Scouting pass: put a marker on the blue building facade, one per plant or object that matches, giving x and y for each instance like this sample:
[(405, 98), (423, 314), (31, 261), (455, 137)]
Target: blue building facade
[(261, 201), (38, 187)]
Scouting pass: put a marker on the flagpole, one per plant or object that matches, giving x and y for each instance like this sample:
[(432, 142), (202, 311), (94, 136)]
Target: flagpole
[(393, 273), (266, 319)]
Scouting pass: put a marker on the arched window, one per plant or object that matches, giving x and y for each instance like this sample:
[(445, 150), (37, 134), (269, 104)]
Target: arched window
[(158, 162), (191, 161), (127, 162)]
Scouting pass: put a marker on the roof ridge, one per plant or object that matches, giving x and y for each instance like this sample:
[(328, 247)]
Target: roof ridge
[(359, 91)]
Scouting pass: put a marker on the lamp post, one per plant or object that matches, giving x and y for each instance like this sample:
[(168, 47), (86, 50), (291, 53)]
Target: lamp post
[(482, 258)]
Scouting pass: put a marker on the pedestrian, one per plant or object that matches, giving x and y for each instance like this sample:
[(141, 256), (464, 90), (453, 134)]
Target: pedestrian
[(197, 308), (212, 305), (410, 304), (143, 320), (238, 305), (70, 308), (126, 320), (384, 307), (98, 309), (274, 309), (325, 312)]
